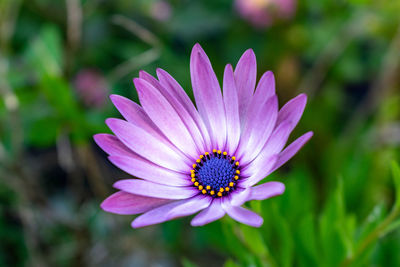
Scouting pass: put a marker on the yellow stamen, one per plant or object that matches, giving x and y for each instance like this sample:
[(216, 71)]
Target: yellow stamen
[(198, 160), (193, 180), (225, 153), (226, 189), (200, 187), (231, 184), (237, 172), (219, 151), (219, 194), (221, 190), (236, 177), (204, 191), (233, 158), (194, 166), (192, 171), (206, 153), (193, 175), (214, 150), (237, 163), (212, 192), (208, 187), (196, 184)]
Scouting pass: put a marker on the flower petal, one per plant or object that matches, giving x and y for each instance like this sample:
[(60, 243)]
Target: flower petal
[(243, 215), (273, 146), (260, 168), (165, 117), (191, 206), (171, 211), (245, 76), (187, 119), (212, 213), (231, 103), (292, 111), (147, 145), (128, 204), (259, 192), (265, 88), (142, 168), (292, 149), (157, 215), (112, 145), (207, 93), (135, 114), (149, 189), (168, 82), (258, 127), (266, 190)]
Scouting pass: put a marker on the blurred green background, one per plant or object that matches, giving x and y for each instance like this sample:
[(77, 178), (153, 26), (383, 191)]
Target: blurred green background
[(59, 61)]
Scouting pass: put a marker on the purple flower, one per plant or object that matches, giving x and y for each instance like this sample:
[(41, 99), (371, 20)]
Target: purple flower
[(208, 160), (262, 13), (91, 87)]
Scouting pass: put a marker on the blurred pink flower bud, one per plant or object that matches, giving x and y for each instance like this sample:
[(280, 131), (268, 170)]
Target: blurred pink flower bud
[(263, 13), (92, 88), (160, 10)]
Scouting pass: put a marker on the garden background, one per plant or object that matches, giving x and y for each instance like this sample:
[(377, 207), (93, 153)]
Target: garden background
[(59, 61)]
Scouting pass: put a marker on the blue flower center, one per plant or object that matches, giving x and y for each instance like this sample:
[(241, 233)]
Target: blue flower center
[(216, 173)]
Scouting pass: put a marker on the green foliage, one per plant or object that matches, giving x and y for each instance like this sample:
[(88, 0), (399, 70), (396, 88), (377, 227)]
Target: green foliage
[(342, 201)]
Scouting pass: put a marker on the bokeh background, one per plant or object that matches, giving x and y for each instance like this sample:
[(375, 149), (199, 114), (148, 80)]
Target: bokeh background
[(60, 60)]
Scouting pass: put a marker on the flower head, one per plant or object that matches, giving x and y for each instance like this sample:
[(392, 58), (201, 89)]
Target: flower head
[(207, 160), (91, 87), (262, 13)]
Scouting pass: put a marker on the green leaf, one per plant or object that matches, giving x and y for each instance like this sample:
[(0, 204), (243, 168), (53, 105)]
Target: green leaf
[(46, 51), (254, 241), (334, 229), (231, 263), (187, 263), (396, 179)]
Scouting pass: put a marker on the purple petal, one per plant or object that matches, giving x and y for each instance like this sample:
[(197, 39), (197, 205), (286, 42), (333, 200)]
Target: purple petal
[(292, 110), (168, 82), (259, 125), (187, 119), (190, 207), (245, 76), (157, 215), (267, 190), (265, 88), (165, 117), (212, 213), (207, 93), (258, 170), (149, 189), (292, 149), (232, 110), (171, 211), (112, 145), (243, 215), (241, 197), (142, 168), (273, 146), (147, 146), (135, 114), (259, 192), (128, 204)]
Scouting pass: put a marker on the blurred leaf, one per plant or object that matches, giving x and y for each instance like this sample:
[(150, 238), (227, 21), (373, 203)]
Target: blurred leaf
[(45, 52), (230, 263), (187, 263), (306, 244), (254, 240), (43, 132), (396, 179), (335, 239)]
